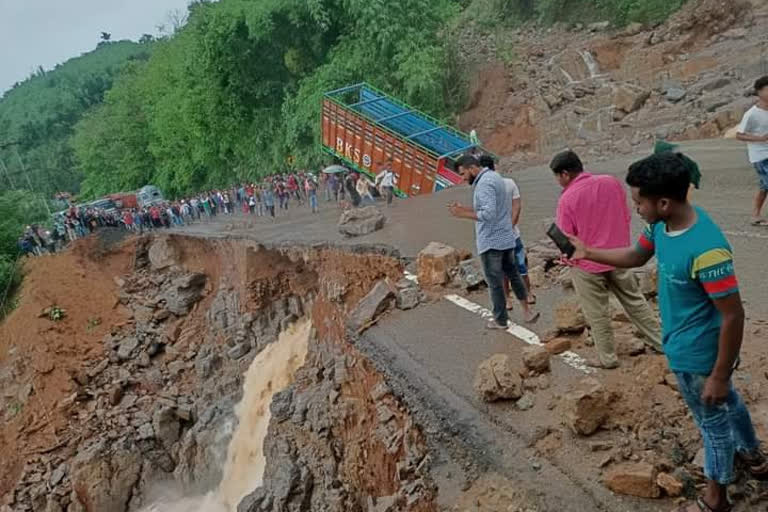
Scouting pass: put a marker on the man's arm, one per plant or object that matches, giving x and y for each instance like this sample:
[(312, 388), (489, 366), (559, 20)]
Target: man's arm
[(746, 137), (628, 257), (729, 345), (517, 208), (462, 212)]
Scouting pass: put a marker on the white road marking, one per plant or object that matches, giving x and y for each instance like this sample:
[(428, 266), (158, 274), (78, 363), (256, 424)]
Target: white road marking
[(572, 359)]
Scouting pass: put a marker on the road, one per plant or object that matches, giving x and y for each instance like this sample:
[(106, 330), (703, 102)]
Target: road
[(430, 354)]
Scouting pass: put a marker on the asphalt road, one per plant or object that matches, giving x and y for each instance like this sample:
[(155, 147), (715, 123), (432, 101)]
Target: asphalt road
[(430, 353)]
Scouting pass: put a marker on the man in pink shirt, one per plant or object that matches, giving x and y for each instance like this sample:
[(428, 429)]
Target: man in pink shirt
[(594, 208)]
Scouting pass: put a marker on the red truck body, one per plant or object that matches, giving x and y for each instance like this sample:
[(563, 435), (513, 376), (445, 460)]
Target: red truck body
[(364, 127)]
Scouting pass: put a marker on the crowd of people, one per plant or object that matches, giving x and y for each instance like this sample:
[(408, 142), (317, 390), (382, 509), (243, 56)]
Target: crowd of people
[(270, 197)]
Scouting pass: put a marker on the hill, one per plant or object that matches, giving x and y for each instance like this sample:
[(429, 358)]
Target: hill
[(39, 114)]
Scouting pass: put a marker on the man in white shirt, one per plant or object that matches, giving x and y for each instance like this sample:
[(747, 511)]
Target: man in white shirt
[(515, 207), (754, 131), (386, 179)]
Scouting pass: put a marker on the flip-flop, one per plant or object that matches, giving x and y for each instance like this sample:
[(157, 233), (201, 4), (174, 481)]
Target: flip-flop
[(759, 223), (510, 307), (703, 507), (532, 299)]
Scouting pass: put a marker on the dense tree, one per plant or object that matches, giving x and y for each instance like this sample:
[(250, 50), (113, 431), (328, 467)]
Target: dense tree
[(39, 115)]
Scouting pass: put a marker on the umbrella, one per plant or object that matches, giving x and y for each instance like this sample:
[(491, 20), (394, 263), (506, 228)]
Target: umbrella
[(335, 169)]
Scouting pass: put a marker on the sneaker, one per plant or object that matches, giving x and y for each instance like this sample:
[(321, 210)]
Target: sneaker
[(493, 326)]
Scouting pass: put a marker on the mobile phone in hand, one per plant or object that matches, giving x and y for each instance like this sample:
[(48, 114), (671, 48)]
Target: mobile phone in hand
[(561, 241)]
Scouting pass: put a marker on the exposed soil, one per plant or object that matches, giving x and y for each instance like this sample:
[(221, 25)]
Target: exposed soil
[(609, 91), (41, 358)]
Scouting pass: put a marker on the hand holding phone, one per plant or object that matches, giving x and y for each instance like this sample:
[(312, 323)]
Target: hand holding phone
[(561, 240)]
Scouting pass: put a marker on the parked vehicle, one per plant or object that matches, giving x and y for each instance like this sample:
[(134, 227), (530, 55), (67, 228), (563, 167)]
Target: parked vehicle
[(364, 127), (149, 195)]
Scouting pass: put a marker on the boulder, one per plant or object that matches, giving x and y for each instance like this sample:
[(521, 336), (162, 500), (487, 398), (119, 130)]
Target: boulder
[(587, 408), (630, 98), (569, 318), (126, 348), (470, 274), (713, 84), (633, 480), (536, 358), (526, 402), (558, 346), (166, 426), (497, 379), (103, 479), (162, 253), (361, 221), (671, 485), (674, 93), (408, 298), (371, 306), (632, 29), (183, 292), (599, 26), (435, 262)]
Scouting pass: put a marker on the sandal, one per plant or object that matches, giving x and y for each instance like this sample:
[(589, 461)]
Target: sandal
[(703, 507), (757, 465), (531, 299), (510, 307), (759, 222)]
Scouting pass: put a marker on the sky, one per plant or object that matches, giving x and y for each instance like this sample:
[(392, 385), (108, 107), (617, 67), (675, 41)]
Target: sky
[(47, 32)]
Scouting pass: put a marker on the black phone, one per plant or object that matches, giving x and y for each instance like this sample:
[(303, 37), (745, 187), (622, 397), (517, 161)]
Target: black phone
[(561, 241)]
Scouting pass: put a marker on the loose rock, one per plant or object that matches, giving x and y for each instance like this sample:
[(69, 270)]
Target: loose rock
[(361, 221), (671, 485), (371, 306), (435, 262), (558, 346), (536, 359), (496, 379), (633, 480), (587, 408)]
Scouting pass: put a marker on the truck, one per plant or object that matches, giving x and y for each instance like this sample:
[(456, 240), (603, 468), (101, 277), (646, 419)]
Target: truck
[(365, 128), (145, 196)]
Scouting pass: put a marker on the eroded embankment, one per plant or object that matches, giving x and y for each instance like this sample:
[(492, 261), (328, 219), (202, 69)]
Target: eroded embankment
[(130, 397)]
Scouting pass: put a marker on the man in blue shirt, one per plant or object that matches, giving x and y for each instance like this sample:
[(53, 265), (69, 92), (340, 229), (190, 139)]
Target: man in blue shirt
[(496, 237), (701, 314)]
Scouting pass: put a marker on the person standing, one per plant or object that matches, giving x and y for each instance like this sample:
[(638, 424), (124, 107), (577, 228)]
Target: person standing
[(269, 199), (754, 131), (386, 180), (311, 188), (363, 190), (594, 208), (349, 184), (515, 208), (495, 238), (702, 316)]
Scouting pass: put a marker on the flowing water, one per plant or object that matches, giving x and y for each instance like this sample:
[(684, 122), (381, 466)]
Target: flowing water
[(271, 371)]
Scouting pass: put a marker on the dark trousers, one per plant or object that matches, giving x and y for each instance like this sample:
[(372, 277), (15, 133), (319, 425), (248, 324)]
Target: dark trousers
[(496, 265), (390, 191)]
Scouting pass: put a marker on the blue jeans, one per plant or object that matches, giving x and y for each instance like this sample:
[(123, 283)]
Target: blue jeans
[(520, 258), (496, 265), (762, 173), (313, 201), (726, 429)]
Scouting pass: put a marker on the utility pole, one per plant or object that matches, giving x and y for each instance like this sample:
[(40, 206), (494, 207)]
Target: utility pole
[(7, 174), (29, 182)]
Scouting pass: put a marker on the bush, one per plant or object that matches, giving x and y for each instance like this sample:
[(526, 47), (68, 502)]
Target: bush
[(10, 278)]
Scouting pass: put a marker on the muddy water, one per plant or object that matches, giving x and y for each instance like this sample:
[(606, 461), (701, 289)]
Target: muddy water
[(271, 371)]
